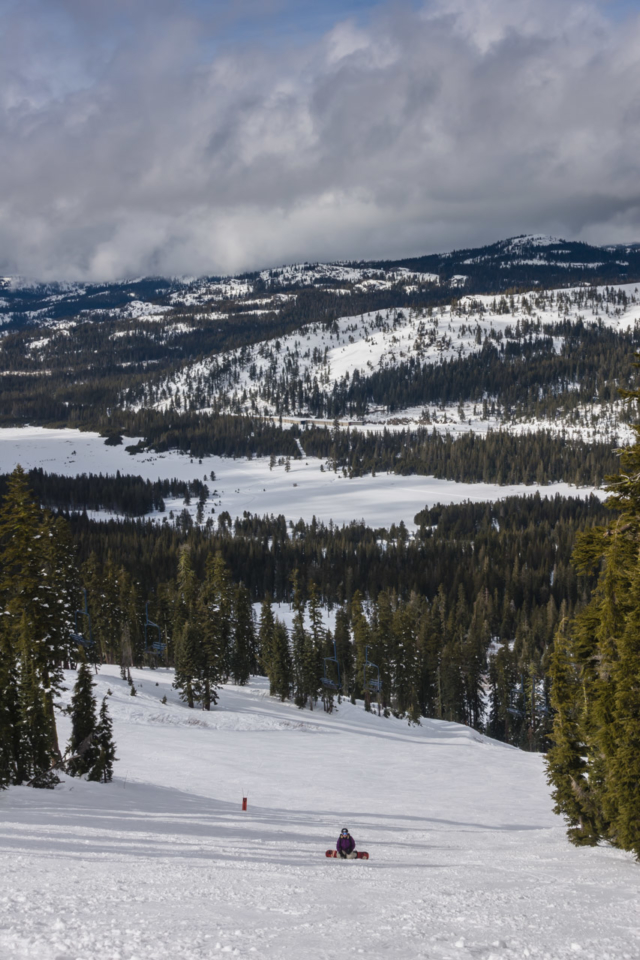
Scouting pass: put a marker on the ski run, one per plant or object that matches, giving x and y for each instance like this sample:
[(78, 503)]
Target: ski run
[(468, 861)]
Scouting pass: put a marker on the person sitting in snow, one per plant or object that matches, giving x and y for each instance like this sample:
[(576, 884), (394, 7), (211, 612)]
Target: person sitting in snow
[(346, 846)]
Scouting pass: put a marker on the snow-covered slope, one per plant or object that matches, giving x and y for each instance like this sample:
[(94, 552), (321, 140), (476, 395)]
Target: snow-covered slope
[(254, 379), (467, 859)]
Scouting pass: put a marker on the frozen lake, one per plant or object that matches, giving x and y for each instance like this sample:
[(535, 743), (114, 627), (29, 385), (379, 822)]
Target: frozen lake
[(303, 492)]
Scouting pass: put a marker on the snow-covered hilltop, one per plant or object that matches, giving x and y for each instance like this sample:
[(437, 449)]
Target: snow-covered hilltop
[(531, 332), (302, 374)]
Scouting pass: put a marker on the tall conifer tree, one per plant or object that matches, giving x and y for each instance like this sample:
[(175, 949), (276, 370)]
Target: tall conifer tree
[(266, 635), (593, 765), (83, 749), (299, 643), (102, 770), (282, 665), (361, 638), (37, 579), (243, 636)]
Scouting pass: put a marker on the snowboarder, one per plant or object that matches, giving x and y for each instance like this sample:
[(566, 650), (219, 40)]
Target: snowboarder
[(346, 846)]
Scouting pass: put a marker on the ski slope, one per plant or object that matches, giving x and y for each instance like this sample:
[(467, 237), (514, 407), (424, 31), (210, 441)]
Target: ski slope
[(467, 859)]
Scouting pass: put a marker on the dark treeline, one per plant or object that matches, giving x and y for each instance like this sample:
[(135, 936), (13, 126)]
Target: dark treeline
[(39, 593), (505, 264), (204, 435), (127, 495), (519, 547), (498, 457)]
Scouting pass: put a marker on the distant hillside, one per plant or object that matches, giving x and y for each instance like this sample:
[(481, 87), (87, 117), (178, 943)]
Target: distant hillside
[(520, 262), (531, 332), (547, 359)]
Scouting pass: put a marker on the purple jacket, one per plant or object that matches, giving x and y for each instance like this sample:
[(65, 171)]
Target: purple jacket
[(346, 844)]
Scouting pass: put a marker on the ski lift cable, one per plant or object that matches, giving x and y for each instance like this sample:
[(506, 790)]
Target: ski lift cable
[(157, 646), (78, 636), (375, 684)]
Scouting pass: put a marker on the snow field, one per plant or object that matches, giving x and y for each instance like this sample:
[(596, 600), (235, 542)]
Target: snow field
[(467, 859), (285, 613), (249, 485)]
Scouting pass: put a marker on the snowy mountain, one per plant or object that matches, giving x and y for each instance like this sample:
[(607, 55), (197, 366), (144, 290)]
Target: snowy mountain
[(524, 261), (526, 334), (467, 859)]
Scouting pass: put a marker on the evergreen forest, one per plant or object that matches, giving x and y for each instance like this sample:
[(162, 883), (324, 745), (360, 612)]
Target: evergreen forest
[(456, 622)]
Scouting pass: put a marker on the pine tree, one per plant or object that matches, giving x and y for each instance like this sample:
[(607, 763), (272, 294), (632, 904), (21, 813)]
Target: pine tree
[(218, 598), (502, 685), (361, 638), (9, 708), (313, 647), (429, 640), (131, 607), (623, 768), (267, 644), (344, 647), (82, 748), (575, 796), (34, 753), (60, 590), (243, 636), (384, 645), (593, 764), (406, 672), (282, 675), (300, 644), (216, 614), (188, 646), (188, 666), (475, 650), (102, 770), (104, 599), (37, 573), (207, 656)]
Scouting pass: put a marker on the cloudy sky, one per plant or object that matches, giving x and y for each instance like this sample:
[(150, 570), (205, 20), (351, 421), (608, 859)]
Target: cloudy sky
[(212, 136)]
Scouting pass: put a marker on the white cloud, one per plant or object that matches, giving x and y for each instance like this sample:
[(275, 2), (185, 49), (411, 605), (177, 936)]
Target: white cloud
[(132, 144)]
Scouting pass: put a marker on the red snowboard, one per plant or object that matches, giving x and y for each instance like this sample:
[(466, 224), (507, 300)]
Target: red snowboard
[(334, 853)]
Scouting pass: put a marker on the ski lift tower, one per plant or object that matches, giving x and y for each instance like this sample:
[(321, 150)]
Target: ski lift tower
[(157, 647), (326, 680)]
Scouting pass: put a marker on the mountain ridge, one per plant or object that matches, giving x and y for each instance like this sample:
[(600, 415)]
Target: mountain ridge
[(551, 252)]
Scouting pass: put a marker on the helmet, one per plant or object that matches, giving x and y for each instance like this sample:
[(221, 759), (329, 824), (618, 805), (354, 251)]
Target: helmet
[(344, 832)]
